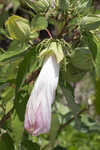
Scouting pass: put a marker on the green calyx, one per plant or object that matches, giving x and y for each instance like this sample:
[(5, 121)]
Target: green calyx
[(53, 49)]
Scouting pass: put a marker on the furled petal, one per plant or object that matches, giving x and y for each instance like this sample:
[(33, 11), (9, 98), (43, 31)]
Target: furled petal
[(38, 110)]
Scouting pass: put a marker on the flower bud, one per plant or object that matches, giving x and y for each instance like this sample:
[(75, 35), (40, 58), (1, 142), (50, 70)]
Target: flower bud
[(38, 110)]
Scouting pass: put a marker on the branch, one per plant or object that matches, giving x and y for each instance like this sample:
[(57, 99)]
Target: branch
[(2, 108), (69, 121), (66, 24), (48, 33), (6, 117), (33, 76)]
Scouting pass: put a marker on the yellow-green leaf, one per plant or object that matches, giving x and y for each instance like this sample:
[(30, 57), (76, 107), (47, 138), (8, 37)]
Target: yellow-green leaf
[(18, 28)]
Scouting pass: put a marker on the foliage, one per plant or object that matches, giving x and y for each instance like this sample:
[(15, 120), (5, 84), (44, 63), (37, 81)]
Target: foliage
[(73, 36)]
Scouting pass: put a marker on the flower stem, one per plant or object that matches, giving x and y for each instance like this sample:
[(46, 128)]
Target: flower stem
[(48, 33)]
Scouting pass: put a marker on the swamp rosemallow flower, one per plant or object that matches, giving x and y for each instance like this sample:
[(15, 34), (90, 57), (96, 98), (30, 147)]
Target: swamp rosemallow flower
[(38, 110)]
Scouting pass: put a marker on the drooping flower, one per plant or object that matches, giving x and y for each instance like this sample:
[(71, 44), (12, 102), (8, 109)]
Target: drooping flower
[(38, 110)]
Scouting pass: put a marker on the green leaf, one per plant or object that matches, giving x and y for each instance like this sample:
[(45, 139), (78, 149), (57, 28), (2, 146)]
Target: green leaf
[(98, 59), (90, 23), (69, 95), (61, 108), (19, 51), (18, 28), (72, 74), (55, 123), (24, 68), (3, 17), (83, 4), (91, 41), (64, 5), (8, 93), (59, 148), (16, 4), (17, 128), (87, 121), (20, 102), (3, 33), (38, 6), (97, 101), (29, 145), (14, 46), (6, 142), (33, 35), (39, 23), (8, 71), (82, 58)]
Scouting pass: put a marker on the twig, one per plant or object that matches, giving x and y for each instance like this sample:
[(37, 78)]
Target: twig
[(33, 76), (45, 147), (63, 29), (6, 117), (69, 121), (66, 24), (48, 33), (2, 108)]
